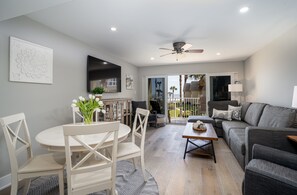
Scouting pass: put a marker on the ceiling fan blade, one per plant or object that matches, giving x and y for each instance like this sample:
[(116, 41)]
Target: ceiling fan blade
[(166, 49), (186, 46), (167, 54), (194, 51)]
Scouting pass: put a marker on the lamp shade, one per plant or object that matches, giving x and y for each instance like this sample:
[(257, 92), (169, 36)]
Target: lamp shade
[(237, 87), (294, 101)]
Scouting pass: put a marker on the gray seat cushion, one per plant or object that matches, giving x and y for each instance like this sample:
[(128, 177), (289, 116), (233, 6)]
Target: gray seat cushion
[(253, 113), (227, 125), (237, 145), (274, 116), (205, 119), (237, 138)]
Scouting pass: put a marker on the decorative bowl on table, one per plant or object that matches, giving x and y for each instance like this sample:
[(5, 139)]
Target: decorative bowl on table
[(199, 126)]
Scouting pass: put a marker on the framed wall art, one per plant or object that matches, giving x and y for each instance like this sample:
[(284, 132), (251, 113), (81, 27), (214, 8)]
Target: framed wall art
[(129, 82), (30, 62)]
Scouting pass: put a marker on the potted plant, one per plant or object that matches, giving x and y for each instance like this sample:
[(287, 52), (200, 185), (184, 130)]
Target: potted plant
[(97, 91)]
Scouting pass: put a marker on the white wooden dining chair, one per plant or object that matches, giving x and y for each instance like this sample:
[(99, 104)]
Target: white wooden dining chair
[(18, 143), (76, 112), (94, 171), (130, 150)]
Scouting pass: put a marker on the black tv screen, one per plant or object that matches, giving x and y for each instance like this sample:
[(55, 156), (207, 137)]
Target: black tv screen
[(101, 73)]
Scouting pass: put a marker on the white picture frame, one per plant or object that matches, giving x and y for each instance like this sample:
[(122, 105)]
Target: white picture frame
[(129, 82), (30, 62)]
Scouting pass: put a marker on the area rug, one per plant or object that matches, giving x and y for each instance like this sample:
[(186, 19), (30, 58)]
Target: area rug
[(129, 182)]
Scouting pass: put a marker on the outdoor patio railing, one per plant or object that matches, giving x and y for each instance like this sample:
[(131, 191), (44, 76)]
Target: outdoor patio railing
[(184, 107)]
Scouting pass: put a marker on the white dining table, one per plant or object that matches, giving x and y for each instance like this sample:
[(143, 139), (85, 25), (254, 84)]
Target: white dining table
[(53, 138)]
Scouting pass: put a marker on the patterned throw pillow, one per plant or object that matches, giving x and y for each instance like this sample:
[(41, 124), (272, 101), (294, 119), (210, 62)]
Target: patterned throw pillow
[(236, 112), (222, 114)]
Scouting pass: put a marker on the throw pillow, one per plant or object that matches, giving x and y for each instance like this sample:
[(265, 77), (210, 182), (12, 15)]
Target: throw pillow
[(236, 112), (222, 114)]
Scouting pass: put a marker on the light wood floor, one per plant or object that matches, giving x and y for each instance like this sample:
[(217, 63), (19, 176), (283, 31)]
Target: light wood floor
[(195, 175)]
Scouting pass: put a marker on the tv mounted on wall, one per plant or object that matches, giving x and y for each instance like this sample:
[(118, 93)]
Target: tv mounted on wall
[(104, 74)]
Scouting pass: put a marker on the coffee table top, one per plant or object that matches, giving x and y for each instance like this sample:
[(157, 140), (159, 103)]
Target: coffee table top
[(209, 134)]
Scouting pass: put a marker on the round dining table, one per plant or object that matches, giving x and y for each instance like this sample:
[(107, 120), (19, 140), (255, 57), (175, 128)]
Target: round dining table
[(53, 138)]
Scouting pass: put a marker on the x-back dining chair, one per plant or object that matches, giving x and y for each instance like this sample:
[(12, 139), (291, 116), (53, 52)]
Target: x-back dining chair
[(96, 170), (18, 141), (130, 150), (76, 112)]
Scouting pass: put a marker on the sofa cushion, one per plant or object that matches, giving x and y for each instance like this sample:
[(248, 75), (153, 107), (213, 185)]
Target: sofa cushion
[(245, 106), (237, 139), (253, 113), (237, 145), (220, 105), (205, 119), (275, 116), (222, 114), (236, 112), (227, 125), (218, 122)]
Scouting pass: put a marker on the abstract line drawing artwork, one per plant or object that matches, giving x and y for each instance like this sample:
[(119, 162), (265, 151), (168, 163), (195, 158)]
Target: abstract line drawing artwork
[(129, 82), (30, 62)]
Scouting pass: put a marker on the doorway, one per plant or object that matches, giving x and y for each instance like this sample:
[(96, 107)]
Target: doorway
[(156, 92)]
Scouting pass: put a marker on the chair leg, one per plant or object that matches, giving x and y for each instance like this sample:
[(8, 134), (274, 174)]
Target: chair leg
[(143, 167), (14, 186), (61, 182), (134, 162), (26, 186)]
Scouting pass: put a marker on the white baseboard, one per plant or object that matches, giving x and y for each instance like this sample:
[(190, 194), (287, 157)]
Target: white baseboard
[(5, 181)]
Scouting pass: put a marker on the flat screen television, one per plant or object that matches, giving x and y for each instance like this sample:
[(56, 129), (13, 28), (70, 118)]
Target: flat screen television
[(101, 73)]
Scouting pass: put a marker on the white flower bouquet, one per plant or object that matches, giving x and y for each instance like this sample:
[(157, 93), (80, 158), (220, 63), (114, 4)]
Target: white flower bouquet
[(88, 107)]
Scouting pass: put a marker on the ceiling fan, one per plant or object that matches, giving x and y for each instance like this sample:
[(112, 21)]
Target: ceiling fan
[(181, 47)]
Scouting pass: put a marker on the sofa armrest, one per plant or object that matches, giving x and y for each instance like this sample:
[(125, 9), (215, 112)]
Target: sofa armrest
[(271, 137), (276, 156)]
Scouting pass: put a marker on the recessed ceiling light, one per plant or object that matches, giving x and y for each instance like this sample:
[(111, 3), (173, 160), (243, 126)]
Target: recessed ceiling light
[(105, 63), (218, 54), (113, 29), (152, 58), (244, 10)]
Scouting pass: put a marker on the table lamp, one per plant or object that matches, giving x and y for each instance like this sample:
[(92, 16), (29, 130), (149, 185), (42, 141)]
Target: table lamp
[(236, 87)]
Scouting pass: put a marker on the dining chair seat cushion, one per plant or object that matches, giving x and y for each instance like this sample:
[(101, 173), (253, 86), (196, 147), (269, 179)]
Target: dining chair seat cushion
[(127, 148), (87, 179), (45, 162)]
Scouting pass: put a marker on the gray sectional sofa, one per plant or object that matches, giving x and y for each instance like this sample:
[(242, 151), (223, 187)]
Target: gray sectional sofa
[(260, 124)]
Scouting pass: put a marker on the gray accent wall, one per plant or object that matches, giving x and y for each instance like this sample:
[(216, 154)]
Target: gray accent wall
[(271, 73), (48, 105)]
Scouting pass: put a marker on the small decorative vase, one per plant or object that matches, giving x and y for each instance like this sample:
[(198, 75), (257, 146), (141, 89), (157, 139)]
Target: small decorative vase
[(98, 96), (88, 116)]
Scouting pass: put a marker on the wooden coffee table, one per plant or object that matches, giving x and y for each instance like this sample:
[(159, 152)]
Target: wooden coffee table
[(209, 135)]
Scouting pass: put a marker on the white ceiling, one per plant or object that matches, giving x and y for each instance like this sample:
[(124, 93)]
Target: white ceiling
[(146, 25)]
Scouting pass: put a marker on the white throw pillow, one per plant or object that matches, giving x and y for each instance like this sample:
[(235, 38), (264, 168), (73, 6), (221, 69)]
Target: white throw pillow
[(222, 114), (236, 112)]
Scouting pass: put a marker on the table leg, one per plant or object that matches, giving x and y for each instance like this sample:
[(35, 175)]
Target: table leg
[(213, 152), (186, 148)]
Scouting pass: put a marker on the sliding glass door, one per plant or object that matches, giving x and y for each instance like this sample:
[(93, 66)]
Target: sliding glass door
[(157, 92)]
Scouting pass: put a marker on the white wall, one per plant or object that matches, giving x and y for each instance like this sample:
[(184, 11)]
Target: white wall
[(206, 68), (48, 105), (270, 73)]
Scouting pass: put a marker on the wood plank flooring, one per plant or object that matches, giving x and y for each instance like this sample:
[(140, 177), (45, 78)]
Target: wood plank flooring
[(196, 175), (164, 151)]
